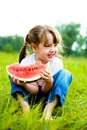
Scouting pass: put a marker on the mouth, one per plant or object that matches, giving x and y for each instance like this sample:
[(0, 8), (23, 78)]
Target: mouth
[(51, 56)]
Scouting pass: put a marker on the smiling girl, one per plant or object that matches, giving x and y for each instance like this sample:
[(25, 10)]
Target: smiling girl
[(53, 85)]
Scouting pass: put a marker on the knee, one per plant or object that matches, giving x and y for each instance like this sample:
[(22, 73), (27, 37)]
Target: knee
[(67, 74)]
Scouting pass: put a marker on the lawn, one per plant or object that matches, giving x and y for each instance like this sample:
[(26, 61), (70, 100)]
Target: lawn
[(74, 109)]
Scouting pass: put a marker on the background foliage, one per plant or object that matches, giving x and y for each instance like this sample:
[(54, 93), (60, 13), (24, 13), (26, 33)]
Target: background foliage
[(74, 43)]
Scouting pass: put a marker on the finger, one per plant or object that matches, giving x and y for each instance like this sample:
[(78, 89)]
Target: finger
[(13, 79), (44, 76), (45, 71), (18, 82)]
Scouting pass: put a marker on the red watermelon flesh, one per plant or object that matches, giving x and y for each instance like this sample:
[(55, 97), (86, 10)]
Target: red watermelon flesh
[(26, 73)]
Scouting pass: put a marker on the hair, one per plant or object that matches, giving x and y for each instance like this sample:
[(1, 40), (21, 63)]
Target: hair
[(37, 35)]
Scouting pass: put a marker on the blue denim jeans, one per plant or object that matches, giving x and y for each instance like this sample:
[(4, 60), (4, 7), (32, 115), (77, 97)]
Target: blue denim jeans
[(62, 80)]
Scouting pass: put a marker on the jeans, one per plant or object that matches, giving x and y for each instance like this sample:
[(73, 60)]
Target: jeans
[(62, 80)]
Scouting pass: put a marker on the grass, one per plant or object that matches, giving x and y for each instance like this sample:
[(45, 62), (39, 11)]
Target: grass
[(74, 109)]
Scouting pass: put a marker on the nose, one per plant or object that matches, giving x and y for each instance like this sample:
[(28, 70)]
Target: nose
[(52, 49)]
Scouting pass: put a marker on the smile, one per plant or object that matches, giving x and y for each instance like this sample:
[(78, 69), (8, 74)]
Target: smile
[(51, 55)]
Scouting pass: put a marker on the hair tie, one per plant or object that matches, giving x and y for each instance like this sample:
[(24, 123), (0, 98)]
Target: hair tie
[(25, 43)]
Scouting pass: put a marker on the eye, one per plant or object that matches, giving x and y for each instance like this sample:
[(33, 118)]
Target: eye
[(46, 45), (55, 45)]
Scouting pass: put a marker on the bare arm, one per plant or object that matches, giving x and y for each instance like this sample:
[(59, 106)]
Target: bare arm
[(31, 87)]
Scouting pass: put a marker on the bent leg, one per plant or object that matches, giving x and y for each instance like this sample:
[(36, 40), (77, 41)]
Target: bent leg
[(21, 95), (49, 108), (18, 89), (62, 80)]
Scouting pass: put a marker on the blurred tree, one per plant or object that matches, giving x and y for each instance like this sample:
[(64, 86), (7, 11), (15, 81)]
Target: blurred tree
[(69, 34), (14, 42), (8, 48), (85, 46)]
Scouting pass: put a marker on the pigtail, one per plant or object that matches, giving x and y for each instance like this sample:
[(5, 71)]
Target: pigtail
[(23, 51)]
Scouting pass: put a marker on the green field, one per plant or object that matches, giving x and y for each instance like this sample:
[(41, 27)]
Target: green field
[(74, 110)]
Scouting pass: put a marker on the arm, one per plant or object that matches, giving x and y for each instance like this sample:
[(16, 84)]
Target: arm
[(48, 81), (31, 87)]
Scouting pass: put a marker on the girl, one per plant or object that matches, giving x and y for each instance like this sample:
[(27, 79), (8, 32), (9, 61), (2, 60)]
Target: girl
[(53, 86)]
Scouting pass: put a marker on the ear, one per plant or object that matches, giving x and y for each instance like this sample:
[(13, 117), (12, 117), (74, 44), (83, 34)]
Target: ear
[(33, 47)]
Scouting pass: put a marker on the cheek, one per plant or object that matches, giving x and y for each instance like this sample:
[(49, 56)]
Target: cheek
[(56, 49), (44, 51)]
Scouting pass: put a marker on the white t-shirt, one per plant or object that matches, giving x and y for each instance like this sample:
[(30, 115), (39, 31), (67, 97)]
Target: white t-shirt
[(55, 65)]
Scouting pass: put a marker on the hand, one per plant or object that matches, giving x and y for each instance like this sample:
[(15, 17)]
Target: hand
[(47, 77), (18, 82), (31, 87)]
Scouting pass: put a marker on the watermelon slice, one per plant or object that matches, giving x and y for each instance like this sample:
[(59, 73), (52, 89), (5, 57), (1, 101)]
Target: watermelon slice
[(26, 73)]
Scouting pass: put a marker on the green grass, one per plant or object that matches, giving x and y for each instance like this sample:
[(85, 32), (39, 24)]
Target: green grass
[(74, 109)]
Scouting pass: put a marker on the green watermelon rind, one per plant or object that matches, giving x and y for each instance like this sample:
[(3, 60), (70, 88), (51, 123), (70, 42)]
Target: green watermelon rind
[(27, 79)]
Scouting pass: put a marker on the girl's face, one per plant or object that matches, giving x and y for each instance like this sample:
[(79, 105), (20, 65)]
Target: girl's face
[(45, 52)]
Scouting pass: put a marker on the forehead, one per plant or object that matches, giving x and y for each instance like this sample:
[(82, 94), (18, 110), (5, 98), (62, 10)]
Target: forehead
[(48, 38)]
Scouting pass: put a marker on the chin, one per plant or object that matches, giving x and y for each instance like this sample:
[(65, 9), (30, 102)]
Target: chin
[(50, 59)]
